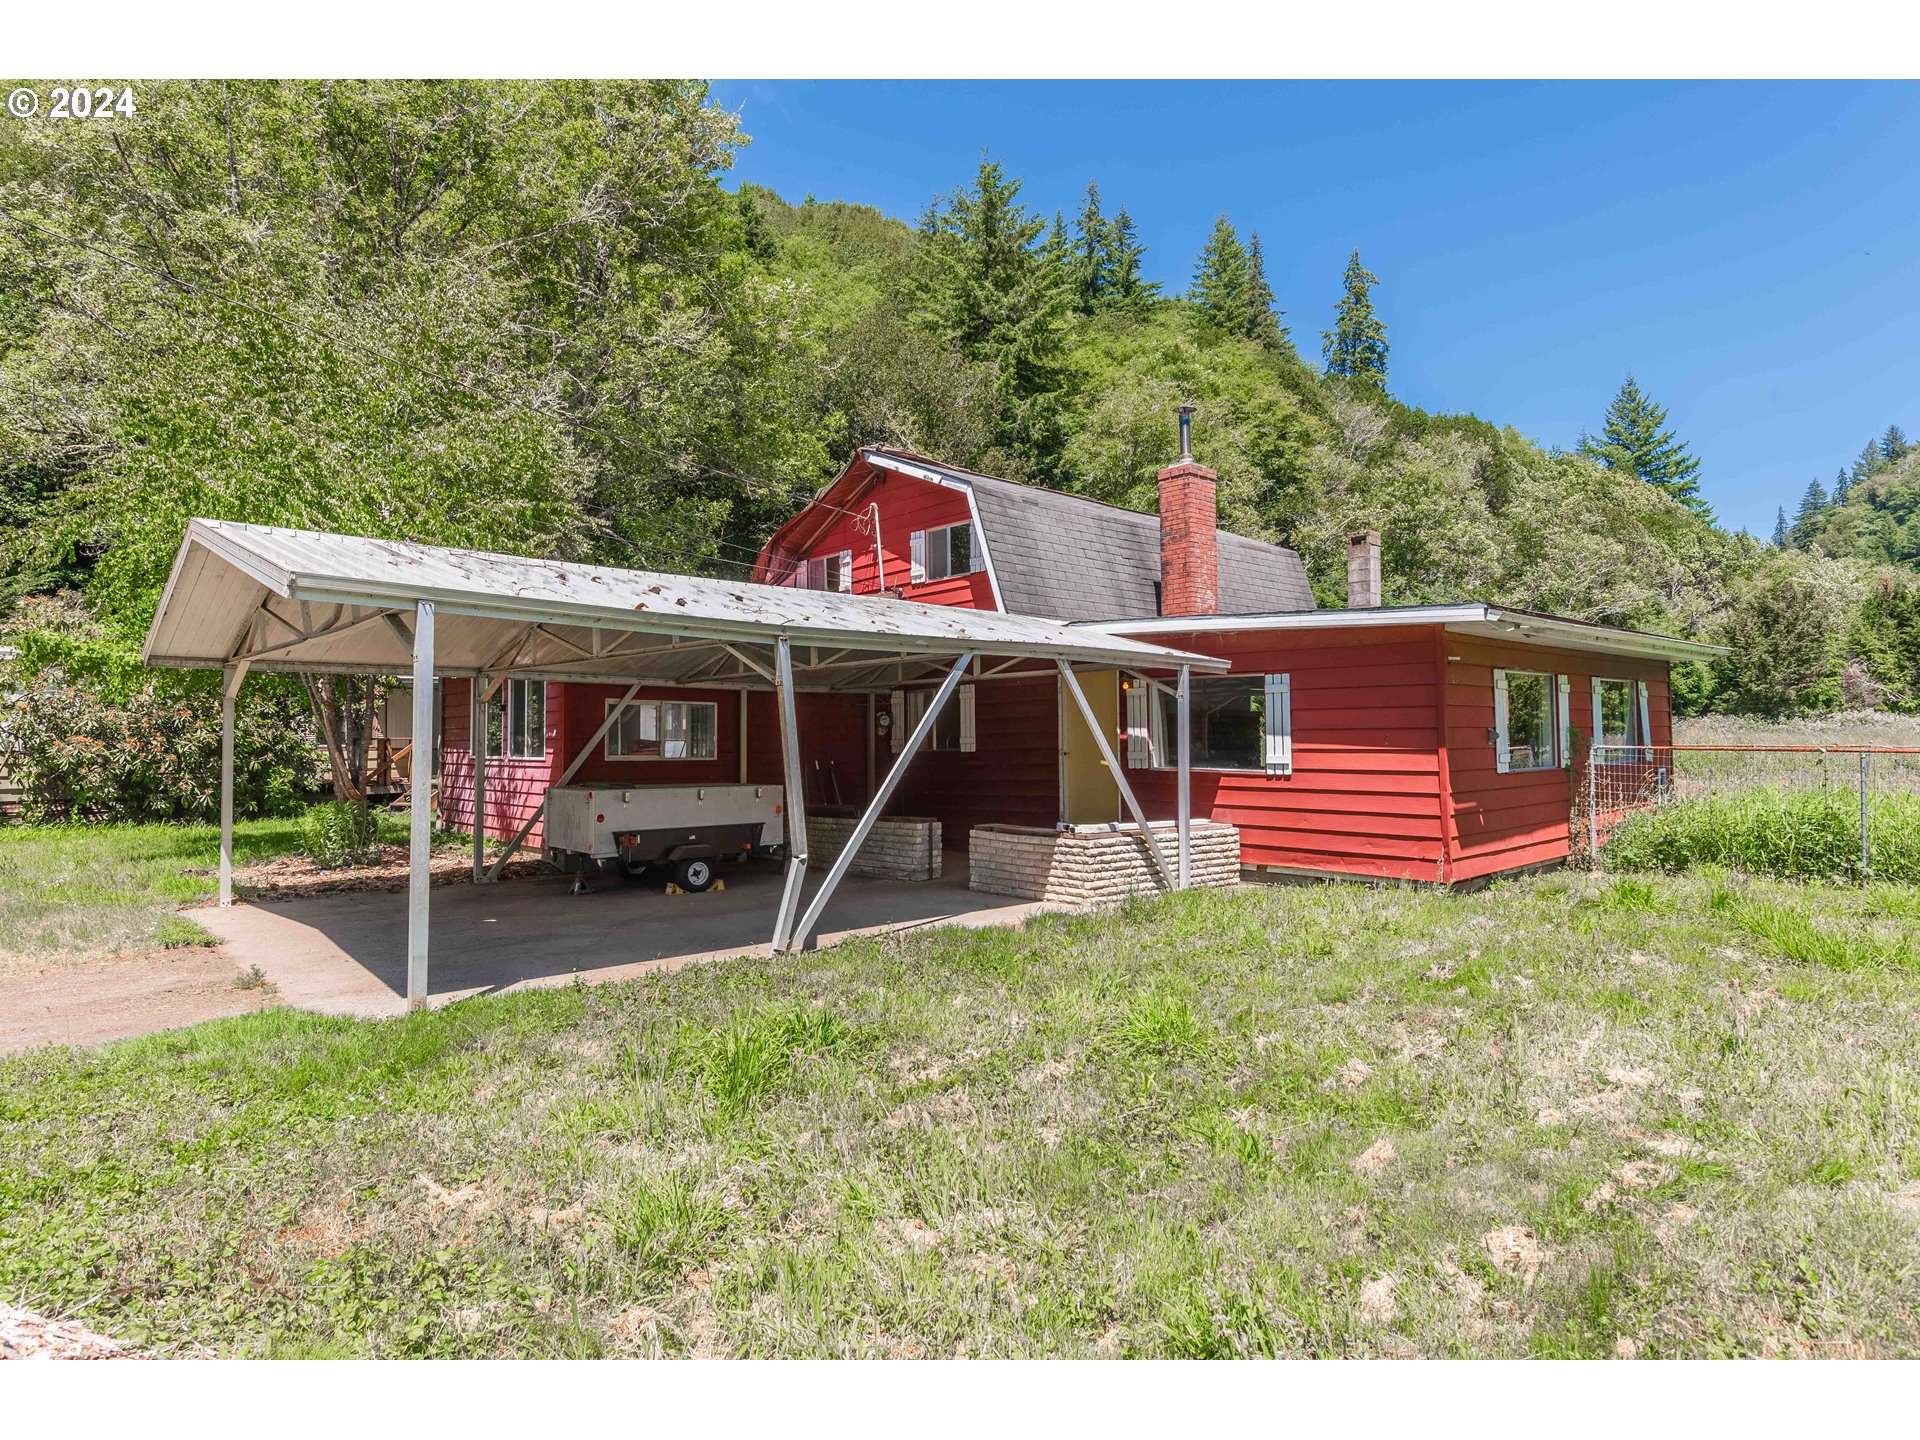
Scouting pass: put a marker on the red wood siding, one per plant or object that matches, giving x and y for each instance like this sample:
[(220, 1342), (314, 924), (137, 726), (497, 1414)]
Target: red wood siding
[(584, 707), (1364, 797), (1011, 778), (906, 505), (1506, 822), (832, 728), (516, 789)]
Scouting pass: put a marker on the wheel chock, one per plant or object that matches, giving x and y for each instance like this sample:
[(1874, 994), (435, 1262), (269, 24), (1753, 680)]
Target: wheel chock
[(673, 889)]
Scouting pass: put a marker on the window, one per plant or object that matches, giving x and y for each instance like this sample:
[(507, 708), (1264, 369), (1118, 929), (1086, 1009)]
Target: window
[(1529, 712), (664, 730), (950, 550), (1619, 712), (827, 572), (953, 727), (1239, 722), (520, 711)]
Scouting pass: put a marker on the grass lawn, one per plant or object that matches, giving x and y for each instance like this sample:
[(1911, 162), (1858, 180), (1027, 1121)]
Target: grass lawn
[(75, 892), (1565, 1117)]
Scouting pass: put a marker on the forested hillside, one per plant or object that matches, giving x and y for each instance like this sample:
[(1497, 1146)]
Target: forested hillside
[(532, 316)]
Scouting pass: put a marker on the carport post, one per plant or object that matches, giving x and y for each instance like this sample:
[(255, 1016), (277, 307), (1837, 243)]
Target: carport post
[(229, 688), (420, 787), (798, 939), (1184, 784), (1119, 775), (477, 747), (795, 796)]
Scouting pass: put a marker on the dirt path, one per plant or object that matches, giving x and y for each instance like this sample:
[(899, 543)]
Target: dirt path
[(101, 1000)]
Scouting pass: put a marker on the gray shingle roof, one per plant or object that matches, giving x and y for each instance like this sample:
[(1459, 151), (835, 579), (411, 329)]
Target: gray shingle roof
[(1071, 558)]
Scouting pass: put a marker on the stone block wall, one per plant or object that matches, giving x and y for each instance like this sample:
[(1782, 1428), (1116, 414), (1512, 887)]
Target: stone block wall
[(900, 847), (1092, 864)]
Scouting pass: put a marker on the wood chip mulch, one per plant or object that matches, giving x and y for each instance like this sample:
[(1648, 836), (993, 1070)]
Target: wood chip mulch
[(294, 877), (27, 1336)]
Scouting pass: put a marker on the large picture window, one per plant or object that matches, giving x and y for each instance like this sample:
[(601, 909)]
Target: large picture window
[(1239, 723), (1526, 720), (950, 550), (1619, 712), (518, 716), (664, 730)]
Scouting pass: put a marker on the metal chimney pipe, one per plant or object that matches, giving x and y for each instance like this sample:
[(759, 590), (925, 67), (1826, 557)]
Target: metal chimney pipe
[(1186, 431)]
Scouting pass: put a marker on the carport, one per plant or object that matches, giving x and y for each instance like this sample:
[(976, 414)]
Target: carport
[(249, 597)]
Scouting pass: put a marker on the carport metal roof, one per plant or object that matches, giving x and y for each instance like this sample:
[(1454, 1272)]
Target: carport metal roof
[(301, 600)]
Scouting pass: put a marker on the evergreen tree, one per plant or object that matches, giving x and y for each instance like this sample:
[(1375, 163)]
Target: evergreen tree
[(1780, 536), (1059, 249), (1842, 486), (1893, 444), (991, 289), (1633, 439), (1357, 344), (1263, 318), (1806, 520), (1125, 289), (1868, 462), (1092, 254), (1222, 282)]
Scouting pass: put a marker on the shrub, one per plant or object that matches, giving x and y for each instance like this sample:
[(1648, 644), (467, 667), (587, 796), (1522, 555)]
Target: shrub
[(1794, 835), (336, 834)]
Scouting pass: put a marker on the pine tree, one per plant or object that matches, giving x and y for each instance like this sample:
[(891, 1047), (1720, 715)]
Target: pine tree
[(1842, 486), (1059, 249), (991, 291), (1263, 318), (1125, 289), (1633, 439), (1223, 279), (1806, 520), (1893, 444), (1780, 535), (1357, 344), (1092, 254)]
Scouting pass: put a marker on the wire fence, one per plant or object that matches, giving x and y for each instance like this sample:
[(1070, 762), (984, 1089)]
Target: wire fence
[(1802, 811)]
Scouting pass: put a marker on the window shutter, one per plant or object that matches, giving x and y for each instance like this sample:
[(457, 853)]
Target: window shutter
[(1599, 734), (1646, 728), (919, 571), (1566, 722), (897, 707), (967, 738), (1279, 717), (1139, 742), (1502, 756), (846, 572), (976, 555)]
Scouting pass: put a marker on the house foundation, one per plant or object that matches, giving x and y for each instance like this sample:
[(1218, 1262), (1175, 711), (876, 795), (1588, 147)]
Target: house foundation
[(1088, 864)]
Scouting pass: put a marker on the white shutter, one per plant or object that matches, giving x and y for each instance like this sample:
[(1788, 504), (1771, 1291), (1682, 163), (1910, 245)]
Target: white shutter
[(897, 707), (1566, 722), (967, 737), (1646, 727), (1502, 756), (1599, 735), (1139, 741), (919, 571), (846, 572), (1279, 747), (976, 554)]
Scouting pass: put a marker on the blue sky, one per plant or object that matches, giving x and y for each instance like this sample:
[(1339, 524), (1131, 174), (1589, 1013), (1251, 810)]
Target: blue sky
[(1750, 250)]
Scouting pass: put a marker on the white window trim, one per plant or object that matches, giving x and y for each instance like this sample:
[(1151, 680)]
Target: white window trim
[(923, 543), (606, 744), (1637, 706), (1147, 743), (1559, 688), (503, 698), (907, 706)]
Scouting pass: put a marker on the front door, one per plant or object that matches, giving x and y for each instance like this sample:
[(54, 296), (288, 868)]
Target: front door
[(1089, 795)]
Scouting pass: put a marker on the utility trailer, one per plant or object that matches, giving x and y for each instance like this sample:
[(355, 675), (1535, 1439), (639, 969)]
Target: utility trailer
[(684, 827)]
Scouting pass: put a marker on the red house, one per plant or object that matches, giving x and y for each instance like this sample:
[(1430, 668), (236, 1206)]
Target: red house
[(1433, 743)]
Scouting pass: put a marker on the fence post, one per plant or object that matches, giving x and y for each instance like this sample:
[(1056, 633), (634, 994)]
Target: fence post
[(1866, 854), (1593, 810)]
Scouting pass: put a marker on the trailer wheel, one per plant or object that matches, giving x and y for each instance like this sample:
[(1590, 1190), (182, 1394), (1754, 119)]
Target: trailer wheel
[(695, 875)]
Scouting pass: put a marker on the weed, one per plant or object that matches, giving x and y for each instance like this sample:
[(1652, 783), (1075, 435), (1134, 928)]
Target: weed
[(252, 978), (176, 932), (667, 1224), (1156, 1023)]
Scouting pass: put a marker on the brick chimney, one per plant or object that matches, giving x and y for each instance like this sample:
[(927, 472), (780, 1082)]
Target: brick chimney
[(1363, 570), (1189, 525)]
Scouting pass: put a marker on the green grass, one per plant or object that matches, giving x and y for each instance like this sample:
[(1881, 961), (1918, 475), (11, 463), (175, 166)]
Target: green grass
[(1794, 835), (1275, 1122), (73, 892)]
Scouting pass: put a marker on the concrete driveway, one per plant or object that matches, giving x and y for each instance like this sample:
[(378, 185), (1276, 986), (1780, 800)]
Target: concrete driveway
[(346, 954)]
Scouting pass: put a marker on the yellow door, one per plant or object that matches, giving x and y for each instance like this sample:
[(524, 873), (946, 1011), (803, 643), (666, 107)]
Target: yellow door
[(1091, 797)]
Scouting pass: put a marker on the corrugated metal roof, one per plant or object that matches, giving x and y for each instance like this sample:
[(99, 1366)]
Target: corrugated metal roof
[(305, 600), (1072, 558)]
